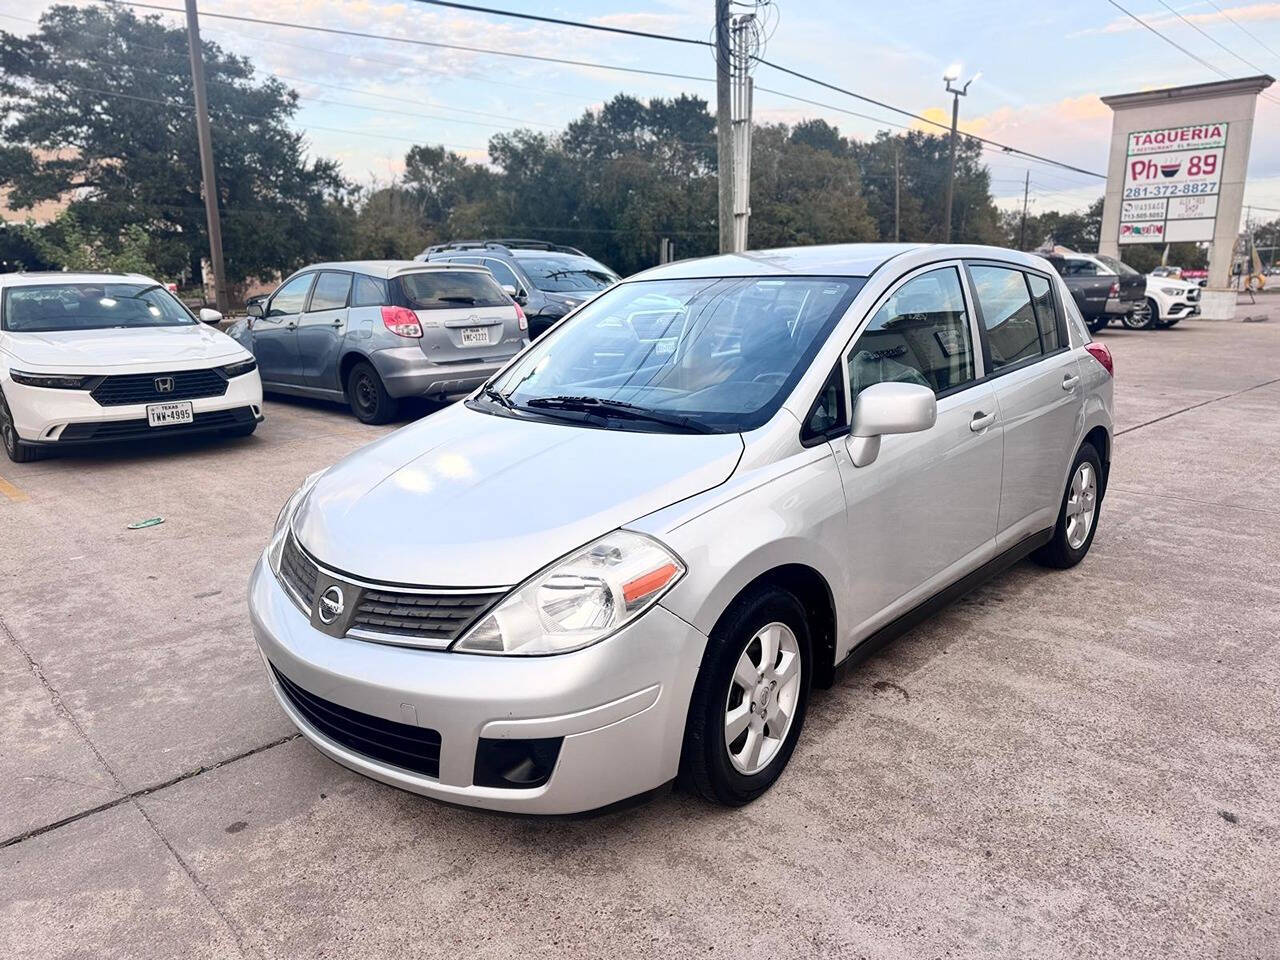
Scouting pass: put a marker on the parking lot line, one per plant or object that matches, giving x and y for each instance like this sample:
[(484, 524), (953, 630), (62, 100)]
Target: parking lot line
[(10, 491)]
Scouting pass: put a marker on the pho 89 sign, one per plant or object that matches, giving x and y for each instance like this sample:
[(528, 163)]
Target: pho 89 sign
[(1171, 182)]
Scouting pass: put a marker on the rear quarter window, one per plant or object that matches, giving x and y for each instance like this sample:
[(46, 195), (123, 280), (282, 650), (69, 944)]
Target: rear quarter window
[(451, 289)]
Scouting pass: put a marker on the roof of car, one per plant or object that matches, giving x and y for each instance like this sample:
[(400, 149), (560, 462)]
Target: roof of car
[(833, 260), (35, 277), (388, 268)]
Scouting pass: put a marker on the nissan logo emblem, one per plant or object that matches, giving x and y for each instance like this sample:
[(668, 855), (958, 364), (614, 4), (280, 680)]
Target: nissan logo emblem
[(330, 605), (164, 384)]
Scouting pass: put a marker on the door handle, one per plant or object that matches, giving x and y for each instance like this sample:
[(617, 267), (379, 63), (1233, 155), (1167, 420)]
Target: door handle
[(290, 325), (1069, 381), (981, 421), (338, 322)]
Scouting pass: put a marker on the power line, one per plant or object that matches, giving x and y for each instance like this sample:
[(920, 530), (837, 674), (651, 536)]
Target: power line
[(1248, 33), (566, 23), (1211, 39)]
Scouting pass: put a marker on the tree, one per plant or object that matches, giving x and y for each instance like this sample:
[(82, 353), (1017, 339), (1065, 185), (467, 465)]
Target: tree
[(97, 110)]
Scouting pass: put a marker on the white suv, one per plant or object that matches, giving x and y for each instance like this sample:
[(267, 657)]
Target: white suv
[(102, 357)]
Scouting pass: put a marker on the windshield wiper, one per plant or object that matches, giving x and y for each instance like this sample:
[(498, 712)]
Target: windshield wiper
[(618, 409), (501, 399), (456, 299)]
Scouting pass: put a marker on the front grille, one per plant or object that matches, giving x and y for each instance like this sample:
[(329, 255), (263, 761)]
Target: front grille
[(139, 429), (437, 619), (440, 617), (299, 573), (141, 387), (416, 749)]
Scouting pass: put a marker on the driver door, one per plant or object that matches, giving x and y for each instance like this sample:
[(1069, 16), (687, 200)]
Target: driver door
[(275, 335), (924, 512)]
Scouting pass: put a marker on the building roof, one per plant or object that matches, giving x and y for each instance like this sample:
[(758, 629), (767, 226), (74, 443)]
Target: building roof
[(1193, 91)]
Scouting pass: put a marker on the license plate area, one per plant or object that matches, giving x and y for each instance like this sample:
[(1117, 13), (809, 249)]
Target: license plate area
[(169, 414), (475, 337)]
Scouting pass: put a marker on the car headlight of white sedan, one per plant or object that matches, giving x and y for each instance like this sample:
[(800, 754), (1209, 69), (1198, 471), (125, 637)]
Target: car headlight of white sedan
[(578, 600)]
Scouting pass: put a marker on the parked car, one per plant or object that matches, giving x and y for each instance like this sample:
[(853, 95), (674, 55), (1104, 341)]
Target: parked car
[(373, 332), (547, 279), (751, 468), (1103, 287), (103, 357), (1170, 300)]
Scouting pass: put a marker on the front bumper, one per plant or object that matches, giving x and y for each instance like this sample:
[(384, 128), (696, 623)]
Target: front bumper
[(408, 372), (619, 705), (72, 417)]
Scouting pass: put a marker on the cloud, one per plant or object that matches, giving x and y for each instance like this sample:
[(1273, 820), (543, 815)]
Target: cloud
[(1255, 13)]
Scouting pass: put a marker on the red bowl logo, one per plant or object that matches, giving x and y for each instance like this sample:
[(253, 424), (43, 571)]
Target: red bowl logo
[(1170, 169)]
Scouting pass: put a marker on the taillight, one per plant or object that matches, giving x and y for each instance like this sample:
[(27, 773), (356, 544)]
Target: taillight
[(401, 321), (1100, 353), (1115, 289), (524, 321)]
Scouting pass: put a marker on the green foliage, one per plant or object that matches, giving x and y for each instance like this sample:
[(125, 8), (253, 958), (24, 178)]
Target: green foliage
[(96, 111), (74, 245)]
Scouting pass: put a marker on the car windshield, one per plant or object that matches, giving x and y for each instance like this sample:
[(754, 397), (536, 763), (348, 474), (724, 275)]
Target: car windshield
[(442, 289), (50, 307), (713, 355), (1117, 266), (566, 274)]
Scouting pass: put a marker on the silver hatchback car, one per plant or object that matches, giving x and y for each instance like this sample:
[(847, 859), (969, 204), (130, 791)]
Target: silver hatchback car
[(375, 331), (751, 469)]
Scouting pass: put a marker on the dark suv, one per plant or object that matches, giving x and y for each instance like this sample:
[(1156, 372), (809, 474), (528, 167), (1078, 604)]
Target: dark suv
[(547, 279)]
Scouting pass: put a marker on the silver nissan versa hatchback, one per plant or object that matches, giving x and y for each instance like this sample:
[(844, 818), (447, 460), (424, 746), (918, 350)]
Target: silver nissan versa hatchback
[(752, 469)]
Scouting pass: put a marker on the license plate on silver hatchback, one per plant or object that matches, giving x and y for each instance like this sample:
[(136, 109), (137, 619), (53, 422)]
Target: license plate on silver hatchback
[(168, 414), (475, 336)]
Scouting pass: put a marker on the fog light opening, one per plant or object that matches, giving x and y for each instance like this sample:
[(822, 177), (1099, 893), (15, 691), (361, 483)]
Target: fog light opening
[(516, 764)]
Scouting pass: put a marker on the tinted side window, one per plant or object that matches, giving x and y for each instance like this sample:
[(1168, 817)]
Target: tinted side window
[(1046, 311), (1081, 268), (502, 273), (331, 291), (1007, 314), (368, 292), (920, 335), (291, 297)]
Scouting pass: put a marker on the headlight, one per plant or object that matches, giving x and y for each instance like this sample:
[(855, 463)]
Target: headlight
[(55, 381), (1171, 291), (579, 600), (239, 369), (281, 533)]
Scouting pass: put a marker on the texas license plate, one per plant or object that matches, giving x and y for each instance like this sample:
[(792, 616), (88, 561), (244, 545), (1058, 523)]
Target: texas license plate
[(167, 414), (474, 336)]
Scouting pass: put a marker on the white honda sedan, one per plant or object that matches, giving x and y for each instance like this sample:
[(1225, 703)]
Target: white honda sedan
[(91, 358)]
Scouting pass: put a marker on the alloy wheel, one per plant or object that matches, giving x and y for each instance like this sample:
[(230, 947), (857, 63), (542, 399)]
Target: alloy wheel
[(1140, 317), (762, 699), (1082, 505), (7, 432)]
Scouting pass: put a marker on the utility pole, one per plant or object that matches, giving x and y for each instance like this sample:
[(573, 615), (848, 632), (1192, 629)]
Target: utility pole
[(724, 126), (897, 192), (953, 74), (207, 173), (742, 95), (1022, 231)]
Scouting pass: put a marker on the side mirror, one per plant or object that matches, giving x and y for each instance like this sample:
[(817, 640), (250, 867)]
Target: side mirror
[(888, 408), (210, 316), (255, 310), (510, 290)]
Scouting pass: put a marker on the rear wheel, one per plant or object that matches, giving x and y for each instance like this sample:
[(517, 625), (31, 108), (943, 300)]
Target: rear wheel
[(1078, 515), (369, 399), (15, 449), (1097, 323), (749, 702), (1142, 316)]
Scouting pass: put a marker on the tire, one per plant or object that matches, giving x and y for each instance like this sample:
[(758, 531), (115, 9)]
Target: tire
[(724, 771), (1097, 323), (369, 399), (14, 448), (1068, 547), (1141, 317)]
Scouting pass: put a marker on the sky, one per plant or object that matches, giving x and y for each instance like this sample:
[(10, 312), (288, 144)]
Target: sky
[(1043, 68)]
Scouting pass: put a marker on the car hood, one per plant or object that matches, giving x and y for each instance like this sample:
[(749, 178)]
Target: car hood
[(1171, 283), (174, 348), (467, 499)]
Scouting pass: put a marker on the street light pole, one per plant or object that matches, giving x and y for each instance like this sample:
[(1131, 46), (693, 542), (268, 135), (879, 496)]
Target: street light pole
[(207, 173), (952, 75)]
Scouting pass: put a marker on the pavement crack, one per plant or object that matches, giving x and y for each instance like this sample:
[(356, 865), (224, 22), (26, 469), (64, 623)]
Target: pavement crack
[(126, 796), (1196, 406)]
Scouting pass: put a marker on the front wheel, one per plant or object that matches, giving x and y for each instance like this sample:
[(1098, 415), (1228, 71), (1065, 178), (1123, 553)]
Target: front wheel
[(749, 702), (1142, 316), (1078, 515), (14, 448), (369, 399)]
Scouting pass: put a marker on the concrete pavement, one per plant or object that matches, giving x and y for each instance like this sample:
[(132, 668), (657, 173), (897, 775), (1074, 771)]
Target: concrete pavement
[(1078, 764)]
